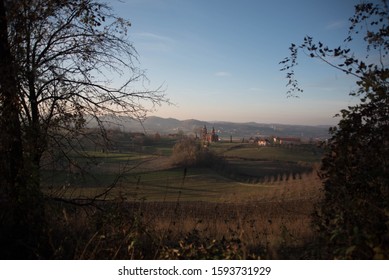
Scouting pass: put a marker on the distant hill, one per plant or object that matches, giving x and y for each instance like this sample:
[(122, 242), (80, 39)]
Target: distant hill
[(155, 124)]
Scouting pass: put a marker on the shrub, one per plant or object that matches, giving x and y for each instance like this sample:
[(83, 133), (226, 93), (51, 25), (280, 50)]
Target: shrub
[(194, 247), (189, 153)]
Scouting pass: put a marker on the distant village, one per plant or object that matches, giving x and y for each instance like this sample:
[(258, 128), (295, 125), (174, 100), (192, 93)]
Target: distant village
[(136, 140), (255, 133), (260, 141), (211, 137)]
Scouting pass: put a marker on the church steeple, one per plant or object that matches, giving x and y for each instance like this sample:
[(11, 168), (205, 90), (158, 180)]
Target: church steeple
[(209, 137), (204, 133), (214, 137)]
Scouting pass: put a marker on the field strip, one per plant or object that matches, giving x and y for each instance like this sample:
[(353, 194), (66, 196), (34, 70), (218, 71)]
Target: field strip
[(255, 185)]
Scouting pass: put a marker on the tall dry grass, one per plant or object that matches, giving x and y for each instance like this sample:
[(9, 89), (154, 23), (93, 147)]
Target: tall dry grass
[(273, 224)]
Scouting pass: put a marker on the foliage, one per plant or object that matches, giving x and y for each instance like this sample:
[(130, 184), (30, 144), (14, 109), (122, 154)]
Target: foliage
[(353, 218), (193, 247)]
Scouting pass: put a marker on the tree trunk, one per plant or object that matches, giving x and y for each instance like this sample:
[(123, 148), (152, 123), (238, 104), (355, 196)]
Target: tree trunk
[(11, 137), (21, 204)]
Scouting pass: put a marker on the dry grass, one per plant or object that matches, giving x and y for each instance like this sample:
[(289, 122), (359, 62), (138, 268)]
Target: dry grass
[(273, 224)]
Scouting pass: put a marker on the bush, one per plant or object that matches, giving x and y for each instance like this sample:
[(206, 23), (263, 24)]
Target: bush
[(353, 218), (189, 153), (194, 247)]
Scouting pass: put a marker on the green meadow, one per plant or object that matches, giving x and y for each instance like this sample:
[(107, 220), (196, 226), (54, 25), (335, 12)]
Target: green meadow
[(246, 171)]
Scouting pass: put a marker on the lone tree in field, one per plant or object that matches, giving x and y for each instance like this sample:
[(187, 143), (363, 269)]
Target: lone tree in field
[(353, 218), (58, 61)]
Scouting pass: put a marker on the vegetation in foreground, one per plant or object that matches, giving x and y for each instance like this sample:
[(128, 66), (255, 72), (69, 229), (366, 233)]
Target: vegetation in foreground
[(182, 230), (353, 218)]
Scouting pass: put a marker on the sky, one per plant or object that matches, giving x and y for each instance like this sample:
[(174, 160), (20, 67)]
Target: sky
[(218, 60)]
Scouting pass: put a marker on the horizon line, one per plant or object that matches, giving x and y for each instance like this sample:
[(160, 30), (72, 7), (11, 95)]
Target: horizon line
[(240, 122)]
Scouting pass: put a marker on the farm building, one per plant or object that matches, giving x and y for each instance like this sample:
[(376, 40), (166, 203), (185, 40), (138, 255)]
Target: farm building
[(286, 140), (263, 142)]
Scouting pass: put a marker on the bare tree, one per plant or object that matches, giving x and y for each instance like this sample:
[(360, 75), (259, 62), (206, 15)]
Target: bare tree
[(66, 53), (11, 138), (20, 227), (62, 62)]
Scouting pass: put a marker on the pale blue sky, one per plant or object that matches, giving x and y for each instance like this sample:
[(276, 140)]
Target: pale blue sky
[(219, 59)]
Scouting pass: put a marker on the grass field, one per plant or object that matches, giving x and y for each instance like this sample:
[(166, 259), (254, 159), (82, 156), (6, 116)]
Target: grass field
[(246, 172), (255, 203), (304, 153)]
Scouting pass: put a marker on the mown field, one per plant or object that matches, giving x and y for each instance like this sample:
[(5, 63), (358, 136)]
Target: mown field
[(260, 197)]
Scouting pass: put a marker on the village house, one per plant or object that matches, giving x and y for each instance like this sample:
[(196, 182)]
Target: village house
[(259, 141), (263, 142), (287, 140)]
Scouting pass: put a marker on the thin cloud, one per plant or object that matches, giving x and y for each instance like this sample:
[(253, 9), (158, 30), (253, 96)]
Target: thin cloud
[(222, 74), (152, 36), (154, 41)]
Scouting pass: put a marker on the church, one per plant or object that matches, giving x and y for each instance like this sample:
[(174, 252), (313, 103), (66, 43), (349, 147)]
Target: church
[(209, 137)]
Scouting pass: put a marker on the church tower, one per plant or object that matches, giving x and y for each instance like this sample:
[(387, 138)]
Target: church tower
[(204, 133), (209, 137), (214, 137)]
